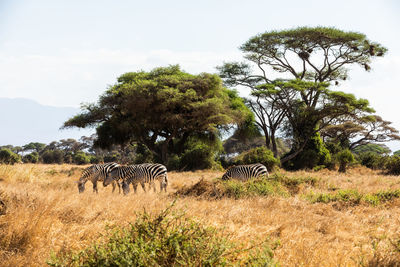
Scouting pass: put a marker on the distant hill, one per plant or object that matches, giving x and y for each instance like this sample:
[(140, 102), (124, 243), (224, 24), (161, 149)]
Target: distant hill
[(23, 121)]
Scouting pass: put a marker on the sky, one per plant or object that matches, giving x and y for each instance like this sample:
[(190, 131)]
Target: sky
[(67, 52)]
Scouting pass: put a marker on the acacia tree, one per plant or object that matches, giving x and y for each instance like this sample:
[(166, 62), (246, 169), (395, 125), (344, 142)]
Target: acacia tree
[(157, 107), (318, 55), (350, 133)]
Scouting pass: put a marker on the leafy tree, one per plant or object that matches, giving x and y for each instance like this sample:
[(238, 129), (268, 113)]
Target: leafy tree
[(154, 108), (34, 146), (379, 149), (8, 157), (81, 158), (313, 58), (344, 157), (53, 156), (354, 131), (31, 158), (397, 153)]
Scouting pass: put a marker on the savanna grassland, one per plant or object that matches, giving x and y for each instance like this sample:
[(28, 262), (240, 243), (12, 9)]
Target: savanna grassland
[(310, 218)]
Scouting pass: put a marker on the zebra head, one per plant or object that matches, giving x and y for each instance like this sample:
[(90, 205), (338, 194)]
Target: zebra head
[(111, 176), (227, 174), (125, 188), (81, 186)]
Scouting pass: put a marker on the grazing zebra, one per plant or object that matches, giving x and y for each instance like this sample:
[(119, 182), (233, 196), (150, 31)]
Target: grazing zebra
[(95, 173), (245, 172), (140, 173)]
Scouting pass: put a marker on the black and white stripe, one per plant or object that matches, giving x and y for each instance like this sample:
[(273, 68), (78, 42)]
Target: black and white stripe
[(245, 172), (95, 173), (140, 173)]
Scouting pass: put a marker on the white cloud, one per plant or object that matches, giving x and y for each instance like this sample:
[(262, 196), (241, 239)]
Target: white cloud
[(71, 77)]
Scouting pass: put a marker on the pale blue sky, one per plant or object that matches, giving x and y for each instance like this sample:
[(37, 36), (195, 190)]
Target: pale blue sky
[(63, 53)]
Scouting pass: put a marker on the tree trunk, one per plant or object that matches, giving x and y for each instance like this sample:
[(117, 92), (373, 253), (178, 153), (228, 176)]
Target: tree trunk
[(342, 167)]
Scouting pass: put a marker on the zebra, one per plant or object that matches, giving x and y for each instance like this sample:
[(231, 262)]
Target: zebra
[(94, 173), (245, 172), (140, 173)]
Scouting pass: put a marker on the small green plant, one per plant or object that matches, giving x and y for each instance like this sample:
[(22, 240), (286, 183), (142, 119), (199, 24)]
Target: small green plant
[(354, 197), (253, 187), (167, 239)]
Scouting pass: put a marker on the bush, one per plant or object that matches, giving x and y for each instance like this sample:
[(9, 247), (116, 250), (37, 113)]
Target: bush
[(197, 157), (9, 157), (53, 156), (81, 158), (258, 155), (393, 165), (31, 158), (167, 239), (344, 157), (372, 160)]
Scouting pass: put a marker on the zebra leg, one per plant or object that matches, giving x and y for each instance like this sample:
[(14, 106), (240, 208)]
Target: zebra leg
[(135, 187), (143, 186), (95, 187), (113, 185), (125, 188), (153, 184), (119, 187)]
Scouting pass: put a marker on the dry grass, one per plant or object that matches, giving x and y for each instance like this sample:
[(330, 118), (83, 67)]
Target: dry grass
[(43, 212)]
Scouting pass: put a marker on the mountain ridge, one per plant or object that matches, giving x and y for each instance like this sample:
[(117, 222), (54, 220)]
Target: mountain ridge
[(24, 120)]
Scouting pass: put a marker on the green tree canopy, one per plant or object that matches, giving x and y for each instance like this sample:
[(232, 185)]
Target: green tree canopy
[(289, 73), (154, 108)]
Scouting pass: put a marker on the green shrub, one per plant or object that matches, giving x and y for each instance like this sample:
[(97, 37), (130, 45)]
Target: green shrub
[(344, 157), (258, 155), (31, 158), (81, 158), (53, 156), (253, 187), (354, 197), (393, 165), (314, 154), (372, 160), (166, 239), (8, 157), (351, 196)]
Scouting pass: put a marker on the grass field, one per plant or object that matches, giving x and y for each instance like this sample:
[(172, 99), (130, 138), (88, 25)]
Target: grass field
[(317, 218)]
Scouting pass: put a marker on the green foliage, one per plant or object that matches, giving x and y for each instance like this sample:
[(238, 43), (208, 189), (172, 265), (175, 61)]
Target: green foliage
[(167, 239), (393, 165), (258, 155), (8, 157), (53, 156), (81, 158), (197, 156), (31, 158), (354, 197), (155, 108), (372, 160), (143, 154), (314, 154), (344, 157), (372, 148), (351, 196), (253, 187), (397, 153)]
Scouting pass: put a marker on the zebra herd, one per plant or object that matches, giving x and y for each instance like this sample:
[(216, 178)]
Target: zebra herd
[(122, 176)]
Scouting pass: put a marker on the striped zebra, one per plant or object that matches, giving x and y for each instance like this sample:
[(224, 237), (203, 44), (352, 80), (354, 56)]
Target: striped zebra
[(245, 172), (95, 173), (140, 173)]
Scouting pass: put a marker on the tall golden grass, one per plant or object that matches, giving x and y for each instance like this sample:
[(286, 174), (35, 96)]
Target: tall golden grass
[(41, 212)]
